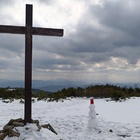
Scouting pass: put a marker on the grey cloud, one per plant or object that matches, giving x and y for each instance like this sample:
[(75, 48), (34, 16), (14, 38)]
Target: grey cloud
[(47, 60), (12, 43), (89, 44), (48, 2), (120, 15), (89, 40), (131, 54), (4, 64), (6, 2), (116, 35), (11, 61), (11, 48)]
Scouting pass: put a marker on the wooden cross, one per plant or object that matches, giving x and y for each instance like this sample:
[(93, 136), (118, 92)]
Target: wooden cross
[(28, 30)]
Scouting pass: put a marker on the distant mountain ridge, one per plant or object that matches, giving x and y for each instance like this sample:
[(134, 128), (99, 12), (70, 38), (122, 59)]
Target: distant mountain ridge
[(48, 85), (55, 85)]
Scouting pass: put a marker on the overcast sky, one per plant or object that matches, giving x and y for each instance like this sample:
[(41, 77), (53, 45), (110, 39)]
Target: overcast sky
[(101, 41)]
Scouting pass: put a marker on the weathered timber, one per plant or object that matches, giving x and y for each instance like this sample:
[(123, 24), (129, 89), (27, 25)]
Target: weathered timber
[(28, 30)]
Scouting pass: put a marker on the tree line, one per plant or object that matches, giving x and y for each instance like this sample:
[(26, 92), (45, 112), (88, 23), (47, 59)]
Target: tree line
[(97, 91)]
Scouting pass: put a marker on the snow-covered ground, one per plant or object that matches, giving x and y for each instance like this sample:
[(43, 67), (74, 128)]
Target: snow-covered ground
[(116, 120)]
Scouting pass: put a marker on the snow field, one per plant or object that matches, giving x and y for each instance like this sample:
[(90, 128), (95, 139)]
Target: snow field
[(116, 120)]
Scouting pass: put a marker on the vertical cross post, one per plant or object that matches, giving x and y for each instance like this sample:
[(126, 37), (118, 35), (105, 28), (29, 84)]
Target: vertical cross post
[(28, 64)]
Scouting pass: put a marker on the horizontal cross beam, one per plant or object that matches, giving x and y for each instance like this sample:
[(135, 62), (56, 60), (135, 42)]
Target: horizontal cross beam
[(34, 30)]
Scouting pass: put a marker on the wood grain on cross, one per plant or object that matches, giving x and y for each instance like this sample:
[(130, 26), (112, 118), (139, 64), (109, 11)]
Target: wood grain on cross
[(28, 30)]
